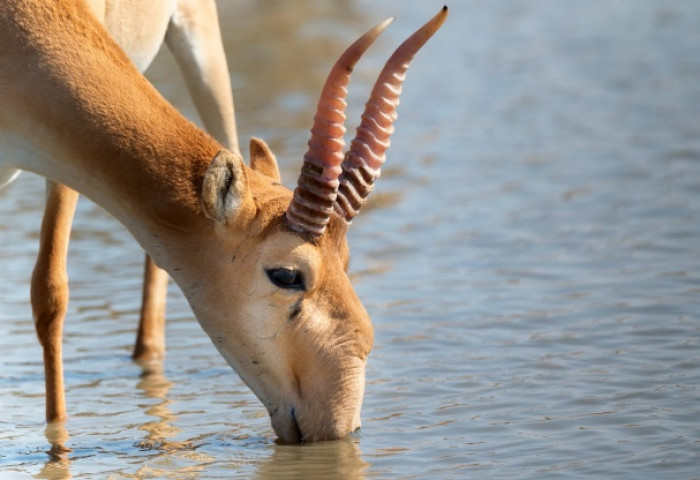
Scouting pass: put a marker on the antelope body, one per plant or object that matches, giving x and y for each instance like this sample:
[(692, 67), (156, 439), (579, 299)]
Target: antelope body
[(191, 30), (264, 269)]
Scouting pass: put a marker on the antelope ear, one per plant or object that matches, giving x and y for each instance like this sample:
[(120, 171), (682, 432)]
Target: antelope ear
[(262, 159), (225, 193)]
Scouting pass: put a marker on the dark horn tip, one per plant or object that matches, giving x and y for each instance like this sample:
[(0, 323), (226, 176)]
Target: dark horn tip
[(444, 8)]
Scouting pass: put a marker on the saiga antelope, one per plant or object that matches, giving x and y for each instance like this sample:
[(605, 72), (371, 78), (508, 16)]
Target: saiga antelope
[(263, 268)]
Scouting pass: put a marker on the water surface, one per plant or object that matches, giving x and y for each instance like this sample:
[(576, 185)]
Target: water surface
[(531, 260)]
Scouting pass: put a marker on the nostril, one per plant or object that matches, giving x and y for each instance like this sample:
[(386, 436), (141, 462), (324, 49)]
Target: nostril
[(295, 425)]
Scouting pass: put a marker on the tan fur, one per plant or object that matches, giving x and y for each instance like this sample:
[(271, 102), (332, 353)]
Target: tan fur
[(263, 160), (99, 127), (50, 284), (150, 339), (192, 32)]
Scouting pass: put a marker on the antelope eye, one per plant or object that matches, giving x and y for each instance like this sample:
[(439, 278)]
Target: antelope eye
[(287, 278)]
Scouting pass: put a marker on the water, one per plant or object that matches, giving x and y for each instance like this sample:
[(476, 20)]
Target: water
[(531, 261)]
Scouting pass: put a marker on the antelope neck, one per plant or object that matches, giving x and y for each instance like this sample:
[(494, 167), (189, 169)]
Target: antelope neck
[(103, 129)]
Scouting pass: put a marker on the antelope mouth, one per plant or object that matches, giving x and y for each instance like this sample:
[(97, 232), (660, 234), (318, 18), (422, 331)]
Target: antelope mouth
[(296, 429), (288, 430)]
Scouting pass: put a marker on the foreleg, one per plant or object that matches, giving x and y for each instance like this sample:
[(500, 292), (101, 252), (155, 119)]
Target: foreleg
[(49, 291)]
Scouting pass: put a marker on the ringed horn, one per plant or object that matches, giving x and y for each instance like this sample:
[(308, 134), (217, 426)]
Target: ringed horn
[(327, 181)]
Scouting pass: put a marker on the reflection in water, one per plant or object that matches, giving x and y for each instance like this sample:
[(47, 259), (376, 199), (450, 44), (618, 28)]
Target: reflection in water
[(58, 467), (57, 435), (154, 384), (174, 459), (338, 459)]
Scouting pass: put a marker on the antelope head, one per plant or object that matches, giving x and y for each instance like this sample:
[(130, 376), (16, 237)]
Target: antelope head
[(297, 333)]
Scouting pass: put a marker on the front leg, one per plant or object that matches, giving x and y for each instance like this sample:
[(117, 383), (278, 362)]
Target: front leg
[(49, 291)]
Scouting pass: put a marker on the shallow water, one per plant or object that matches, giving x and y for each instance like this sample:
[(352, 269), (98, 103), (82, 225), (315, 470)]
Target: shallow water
[(531, 261)]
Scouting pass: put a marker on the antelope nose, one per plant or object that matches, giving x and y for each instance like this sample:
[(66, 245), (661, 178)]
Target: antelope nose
[(286, 427), (299, 437), (356, 423)]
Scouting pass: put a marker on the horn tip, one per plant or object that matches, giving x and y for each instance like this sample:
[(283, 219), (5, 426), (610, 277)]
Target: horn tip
[(382, 26), (436, 22)]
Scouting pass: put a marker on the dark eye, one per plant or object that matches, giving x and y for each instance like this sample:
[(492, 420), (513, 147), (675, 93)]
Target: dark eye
[(286, 278)]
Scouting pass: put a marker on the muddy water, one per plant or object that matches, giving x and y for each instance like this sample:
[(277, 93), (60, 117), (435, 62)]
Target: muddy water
[(531, 261)]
